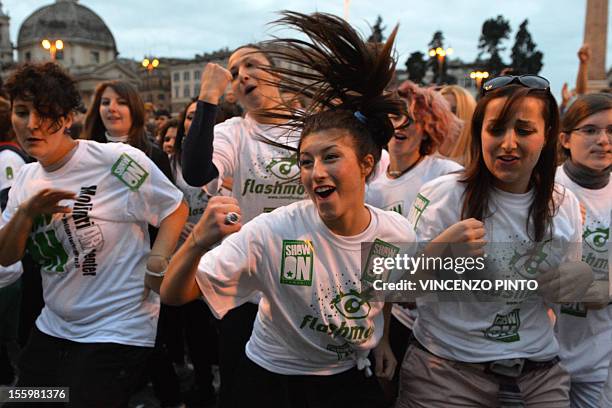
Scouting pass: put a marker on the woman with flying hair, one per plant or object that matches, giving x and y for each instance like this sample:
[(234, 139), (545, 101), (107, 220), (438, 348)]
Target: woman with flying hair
[(314, 326), (584, 329), (462, 105), (498, 348), (82, 212)]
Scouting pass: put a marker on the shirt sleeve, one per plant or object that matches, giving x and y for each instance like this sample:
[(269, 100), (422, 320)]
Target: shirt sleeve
[(152, 197), (197, 166), (434, 209), (10, 163), (225, 152), (229, 275)]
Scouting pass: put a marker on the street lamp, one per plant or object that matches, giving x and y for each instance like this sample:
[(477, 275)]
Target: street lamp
[(441, 53), (53, 47), (479, 76), (150, 64)]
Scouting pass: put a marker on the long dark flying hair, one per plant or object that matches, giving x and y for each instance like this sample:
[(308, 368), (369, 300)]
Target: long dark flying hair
[(341, 74), (478, 178), (94, 127)]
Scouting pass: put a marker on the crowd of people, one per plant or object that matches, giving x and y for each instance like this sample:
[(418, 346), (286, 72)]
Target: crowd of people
[(236, 234)]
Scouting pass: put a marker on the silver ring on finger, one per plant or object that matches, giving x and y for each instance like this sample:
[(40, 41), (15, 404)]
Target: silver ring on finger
[(232, 218)]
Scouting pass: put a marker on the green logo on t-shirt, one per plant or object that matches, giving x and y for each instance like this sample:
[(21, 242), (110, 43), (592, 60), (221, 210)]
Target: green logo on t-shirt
[(129, 172), (529, 263), (419, 206), (505, 327), (397, 206), (575, 309), (597, 238), (378, 249), (45, 248), (296, 263), (9, 173), (351, 305)]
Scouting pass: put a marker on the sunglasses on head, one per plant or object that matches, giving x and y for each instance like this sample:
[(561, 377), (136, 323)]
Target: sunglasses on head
[(528, 81)]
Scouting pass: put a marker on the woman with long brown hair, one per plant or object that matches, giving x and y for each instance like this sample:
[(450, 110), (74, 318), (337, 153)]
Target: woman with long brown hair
[(500, 351), (117, 114)]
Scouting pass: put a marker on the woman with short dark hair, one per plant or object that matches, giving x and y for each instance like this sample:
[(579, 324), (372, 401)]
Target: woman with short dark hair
[(82, 211)]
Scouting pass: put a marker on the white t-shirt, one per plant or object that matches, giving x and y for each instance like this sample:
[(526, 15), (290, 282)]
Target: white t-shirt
[(513, 327), (398, 195), (93, 260), (585, 336), (312, 319), (10, 163), (265, 177)]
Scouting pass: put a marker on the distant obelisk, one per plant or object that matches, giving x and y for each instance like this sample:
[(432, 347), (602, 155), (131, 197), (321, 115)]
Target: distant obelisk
[(595, 34)]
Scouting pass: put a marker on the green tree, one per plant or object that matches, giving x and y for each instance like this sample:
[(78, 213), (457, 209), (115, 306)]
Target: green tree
[(377, 35), (416, 66), (525, 58), (494, 31)]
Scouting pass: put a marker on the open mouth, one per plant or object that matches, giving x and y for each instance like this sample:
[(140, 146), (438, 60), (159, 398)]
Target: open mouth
[(33, 140), (508, 158), (249, 89), (399, 136), (324, 191)]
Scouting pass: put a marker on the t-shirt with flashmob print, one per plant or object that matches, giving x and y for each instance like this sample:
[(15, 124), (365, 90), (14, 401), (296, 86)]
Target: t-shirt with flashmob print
[(10, 164), (585, 336), (93, 259), (313, 317), (398, 195), (507, 324), (265, 177)]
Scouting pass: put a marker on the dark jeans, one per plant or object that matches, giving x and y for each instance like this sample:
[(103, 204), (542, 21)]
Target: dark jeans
[(98, 374), (259, 387)]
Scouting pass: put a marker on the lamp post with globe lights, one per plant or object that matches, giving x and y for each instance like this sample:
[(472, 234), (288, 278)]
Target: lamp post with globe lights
[(441, 53), (150, 64), (478, 76), (53, 46)]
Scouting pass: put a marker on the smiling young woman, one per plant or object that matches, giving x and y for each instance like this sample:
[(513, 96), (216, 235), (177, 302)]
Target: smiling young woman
[(584, 329), (305, 258), (505, 201)]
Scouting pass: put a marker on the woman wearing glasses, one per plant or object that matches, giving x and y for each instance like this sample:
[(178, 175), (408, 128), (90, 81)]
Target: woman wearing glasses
[(584, 330), (412, 164), (501, 352)]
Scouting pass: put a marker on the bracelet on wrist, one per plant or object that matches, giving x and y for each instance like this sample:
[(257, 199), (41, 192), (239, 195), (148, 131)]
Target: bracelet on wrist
[(156, 274)]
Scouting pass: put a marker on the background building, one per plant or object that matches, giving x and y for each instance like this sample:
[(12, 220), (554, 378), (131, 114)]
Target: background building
[(185, 77), (87, 40)]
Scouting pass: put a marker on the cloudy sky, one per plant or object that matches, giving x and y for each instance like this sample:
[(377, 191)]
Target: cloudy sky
[(182, 28)]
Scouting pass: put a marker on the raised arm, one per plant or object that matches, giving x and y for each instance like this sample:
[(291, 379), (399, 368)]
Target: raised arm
[(582, 79), (197, 164), (179, 285)]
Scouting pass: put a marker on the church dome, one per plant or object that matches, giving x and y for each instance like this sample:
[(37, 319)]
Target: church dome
[(66, 20)]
